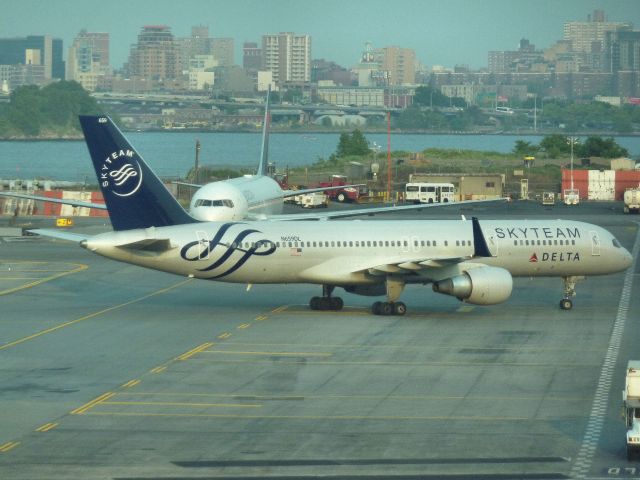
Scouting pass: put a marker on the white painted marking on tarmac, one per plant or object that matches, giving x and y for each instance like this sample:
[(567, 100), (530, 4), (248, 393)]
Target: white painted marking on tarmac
[(598, 413)]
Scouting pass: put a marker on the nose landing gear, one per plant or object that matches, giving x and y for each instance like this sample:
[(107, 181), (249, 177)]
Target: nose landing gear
[(569, 291)]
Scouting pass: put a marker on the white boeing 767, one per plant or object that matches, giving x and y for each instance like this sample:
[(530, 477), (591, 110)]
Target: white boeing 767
[(471, 260)]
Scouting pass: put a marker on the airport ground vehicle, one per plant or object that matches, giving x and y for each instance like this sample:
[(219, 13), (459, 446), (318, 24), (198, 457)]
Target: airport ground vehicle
[(350, 193), (571, 197), (631, 400), (632, 200), (424, 192), (312, 200), (548, 198)]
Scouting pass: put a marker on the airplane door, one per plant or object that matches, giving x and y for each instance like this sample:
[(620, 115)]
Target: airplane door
[(595, 243)]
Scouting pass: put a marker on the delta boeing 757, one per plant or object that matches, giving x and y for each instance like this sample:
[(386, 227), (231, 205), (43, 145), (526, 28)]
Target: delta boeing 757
[(472, 260)]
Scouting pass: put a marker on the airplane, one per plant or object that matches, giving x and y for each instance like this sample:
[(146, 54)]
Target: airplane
[(471, 260)]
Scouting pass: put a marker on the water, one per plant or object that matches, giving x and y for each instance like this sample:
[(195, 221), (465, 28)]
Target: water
[(172, 154)]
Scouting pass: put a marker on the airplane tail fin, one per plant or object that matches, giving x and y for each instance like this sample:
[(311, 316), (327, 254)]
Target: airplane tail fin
[(264, 153), (134, 195), (479, 242)]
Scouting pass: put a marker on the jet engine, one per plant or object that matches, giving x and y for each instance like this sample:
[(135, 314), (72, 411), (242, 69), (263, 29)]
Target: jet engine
[(480, 286)]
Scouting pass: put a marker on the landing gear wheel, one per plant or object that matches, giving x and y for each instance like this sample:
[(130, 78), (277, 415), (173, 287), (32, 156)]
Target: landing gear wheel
[(387, 308), (326, 303), (335, 303), (399, 308), (314, 303), (566, 304), (376, 308)]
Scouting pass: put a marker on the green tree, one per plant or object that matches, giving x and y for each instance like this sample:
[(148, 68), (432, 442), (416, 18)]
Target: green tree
[(555, 145), (54, 108), (601, 147), (523, 149), (354, 144)]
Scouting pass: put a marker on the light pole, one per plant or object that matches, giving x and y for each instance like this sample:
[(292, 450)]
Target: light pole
[(572, 141)]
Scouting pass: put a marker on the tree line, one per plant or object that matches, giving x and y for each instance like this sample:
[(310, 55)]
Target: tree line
[(51, 110), (555, 146)]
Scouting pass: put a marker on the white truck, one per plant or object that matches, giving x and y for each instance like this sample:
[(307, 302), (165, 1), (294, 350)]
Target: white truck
[(632, 200), (631, 401), (571, 197)]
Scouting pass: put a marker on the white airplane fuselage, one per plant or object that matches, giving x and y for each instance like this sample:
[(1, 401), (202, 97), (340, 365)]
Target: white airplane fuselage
[(236, 198), (363, 253)]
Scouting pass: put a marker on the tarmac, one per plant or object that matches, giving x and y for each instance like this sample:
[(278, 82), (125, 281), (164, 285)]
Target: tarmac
[(111, 371)]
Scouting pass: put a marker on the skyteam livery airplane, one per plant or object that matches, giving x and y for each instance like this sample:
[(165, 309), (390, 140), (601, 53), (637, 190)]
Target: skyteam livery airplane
[(471, 260)]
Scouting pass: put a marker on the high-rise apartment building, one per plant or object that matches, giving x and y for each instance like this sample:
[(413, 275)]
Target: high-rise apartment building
[(155, 56), (223, 50), (287, 56), (40, 53), (88, 59), (622, 51), (400, 63), (251, 56), (589, 36)]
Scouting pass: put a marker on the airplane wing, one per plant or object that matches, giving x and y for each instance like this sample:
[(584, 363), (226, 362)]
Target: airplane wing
[(364, 211), (59, 234), (186, 184), (429, 268), (64, 201), (293, 193)]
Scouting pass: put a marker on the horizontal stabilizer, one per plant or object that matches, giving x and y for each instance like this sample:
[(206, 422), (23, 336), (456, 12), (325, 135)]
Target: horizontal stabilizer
[(63, 201), (62, 235), (156, 245)]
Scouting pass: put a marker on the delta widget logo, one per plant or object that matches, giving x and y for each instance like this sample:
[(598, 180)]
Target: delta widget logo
[(121, 173)]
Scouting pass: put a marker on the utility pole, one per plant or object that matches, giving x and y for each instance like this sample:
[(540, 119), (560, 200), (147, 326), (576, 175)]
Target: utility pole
[(197, 166)]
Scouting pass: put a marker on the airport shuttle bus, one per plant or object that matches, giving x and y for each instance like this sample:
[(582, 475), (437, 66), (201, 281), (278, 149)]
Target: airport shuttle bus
[(422, 192)]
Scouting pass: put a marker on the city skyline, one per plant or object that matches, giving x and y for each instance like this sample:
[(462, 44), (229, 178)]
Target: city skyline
[(456, 32)]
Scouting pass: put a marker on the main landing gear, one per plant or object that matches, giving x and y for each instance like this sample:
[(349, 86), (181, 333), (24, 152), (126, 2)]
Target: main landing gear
[(569, 291), (388, 308), (326, 301), (391, 306)]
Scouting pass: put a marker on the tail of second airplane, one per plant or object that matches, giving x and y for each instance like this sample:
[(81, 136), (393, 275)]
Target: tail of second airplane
[(134, 195)]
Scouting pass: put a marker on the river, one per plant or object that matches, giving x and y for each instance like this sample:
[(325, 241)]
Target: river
[(172, 154)]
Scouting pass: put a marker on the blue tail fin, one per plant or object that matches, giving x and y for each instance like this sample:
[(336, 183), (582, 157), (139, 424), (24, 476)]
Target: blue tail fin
[(135, 197)]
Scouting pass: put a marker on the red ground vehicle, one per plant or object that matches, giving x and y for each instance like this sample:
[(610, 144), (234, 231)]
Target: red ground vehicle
[(346, 194)]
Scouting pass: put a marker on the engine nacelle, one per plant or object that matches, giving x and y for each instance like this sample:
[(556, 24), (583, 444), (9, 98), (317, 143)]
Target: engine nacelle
[(480, 286)]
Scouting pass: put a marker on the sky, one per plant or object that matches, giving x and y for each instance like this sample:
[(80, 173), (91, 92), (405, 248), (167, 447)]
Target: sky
[(442, 32)]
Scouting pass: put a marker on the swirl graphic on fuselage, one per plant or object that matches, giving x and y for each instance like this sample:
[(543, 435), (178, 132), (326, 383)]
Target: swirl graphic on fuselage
[(120, 176), (260, 248)]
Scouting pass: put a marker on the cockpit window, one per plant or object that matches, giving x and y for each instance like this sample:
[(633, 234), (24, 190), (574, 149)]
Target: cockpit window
[(616, 243), (202, 202)]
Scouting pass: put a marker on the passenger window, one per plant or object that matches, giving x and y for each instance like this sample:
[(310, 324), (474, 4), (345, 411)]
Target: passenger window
[(368, 243)]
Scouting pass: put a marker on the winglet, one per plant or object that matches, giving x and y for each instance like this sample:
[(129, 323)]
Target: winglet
[(134, 195), (480, 246), (264, 153)]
